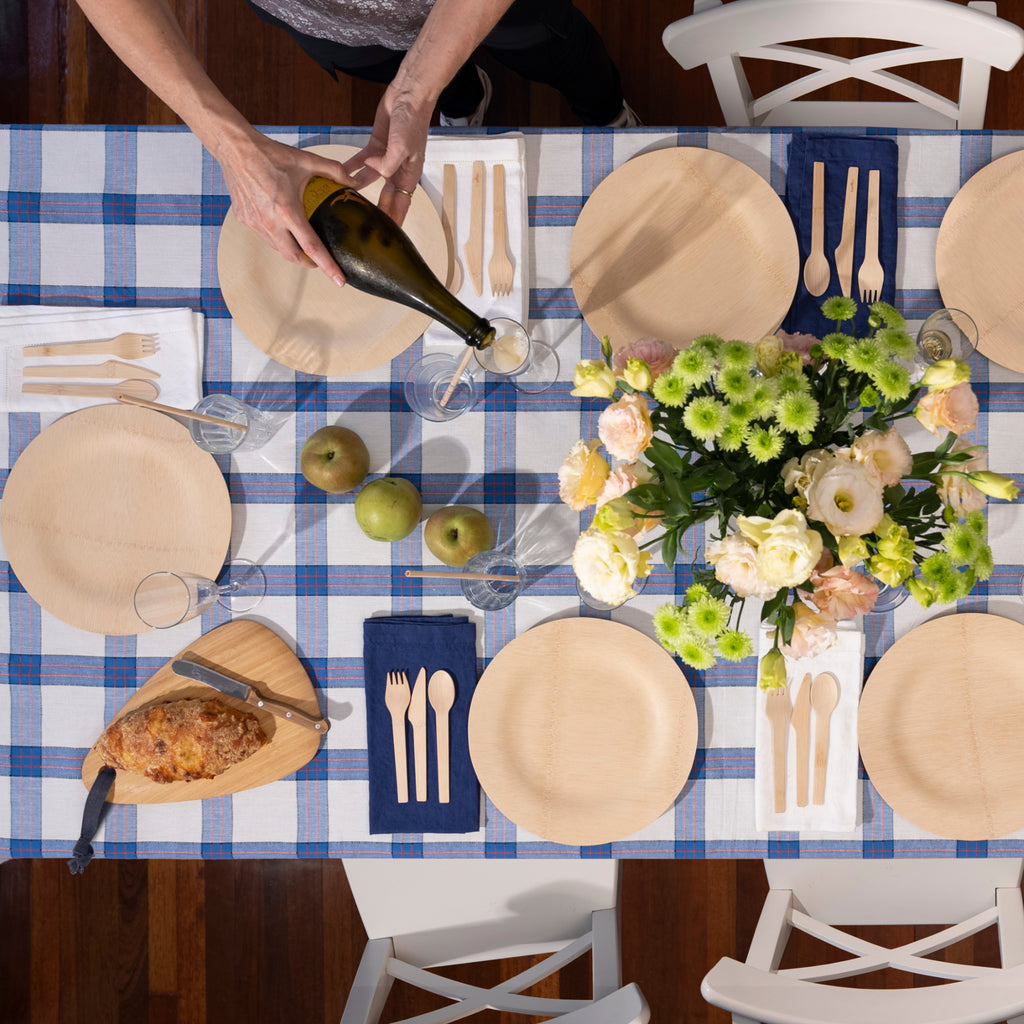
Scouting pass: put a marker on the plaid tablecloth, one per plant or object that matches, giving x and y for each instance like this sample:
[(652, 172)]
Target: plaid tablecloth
[(151, 201)]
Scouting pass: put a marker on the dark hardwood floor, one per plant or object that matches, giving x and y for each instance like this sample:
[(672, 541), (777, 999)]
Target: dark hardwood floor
[(267, 941)]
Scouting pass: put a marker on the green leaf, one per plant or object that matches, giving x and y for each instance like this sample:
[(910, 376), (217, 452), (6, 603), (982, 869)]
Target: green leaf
[(669, 546), (649, 497)]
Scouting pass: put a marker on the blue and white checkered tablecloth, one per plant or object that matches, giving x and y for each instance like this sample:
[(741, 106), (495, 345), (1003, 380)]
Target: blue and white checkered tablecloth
[(126, 216)]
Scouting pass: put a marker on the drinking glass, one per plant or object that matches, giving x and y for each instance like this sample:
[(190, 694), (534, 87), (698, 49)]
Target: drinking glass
[(889, 598), (529, 366), (490, 595), (219, 439), (947, 334), (605, 606), (165, 599), (428, 381)]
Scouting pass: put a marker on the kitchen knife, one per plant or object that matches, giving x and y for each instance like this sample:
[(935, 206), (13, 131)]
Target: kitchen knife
[(417, 715), (244, 692), (844, 251), (801, 722)]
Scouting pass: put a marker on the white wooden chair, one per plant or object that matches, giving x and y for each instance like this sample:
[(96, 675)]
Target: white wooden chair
[(814, 895), (722, 35), (430, 913)]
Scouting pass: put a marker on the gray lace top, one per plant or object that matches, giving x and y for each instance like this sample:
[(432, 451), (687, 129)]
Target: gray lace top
[(391, 23)]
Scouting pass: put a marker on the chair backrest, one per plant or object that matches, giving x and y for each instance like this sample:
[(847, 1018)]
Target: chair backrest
[(430, 913), (813, 896), (721, 35)]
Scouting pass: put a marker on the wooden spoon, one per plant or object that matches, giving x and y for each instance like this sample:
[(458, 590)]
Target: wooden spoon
[(441, 694), (817, 272), (824, 698)]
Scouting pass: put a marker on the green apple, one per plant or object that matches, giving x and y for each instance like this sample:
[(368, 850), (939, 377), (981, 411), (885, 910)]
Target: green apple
[(388, 509), (456, 533), (334, 459)]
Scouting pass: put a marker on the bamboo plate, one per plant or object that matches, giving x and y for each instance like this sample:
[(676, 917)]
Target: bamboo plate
[(255, 654), (582, 731), (681, 242), (103, 497), (299, 318), (979, 257), (939, 726)]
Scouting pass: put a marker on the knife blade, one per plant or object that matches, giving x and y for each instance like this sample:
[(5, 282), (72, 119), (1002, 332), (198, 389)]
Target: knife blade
[(801, 722), (244, 692), (474, 247), (417, 716), (844, 251)]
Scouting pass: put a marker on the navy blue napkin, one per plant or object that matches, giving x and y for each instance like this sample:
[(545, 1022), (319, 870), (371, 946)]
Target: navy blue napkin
[(838, 153), (407, 644)]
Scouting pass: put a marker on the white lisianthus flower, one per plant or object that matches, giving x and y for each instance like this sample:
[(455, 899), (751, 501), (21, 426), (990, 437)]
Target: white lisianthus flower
[(886, 455), (957, 491), (606, 564), (846, 497), (797, 473), (582, 476), (787, 550), (735, 560)]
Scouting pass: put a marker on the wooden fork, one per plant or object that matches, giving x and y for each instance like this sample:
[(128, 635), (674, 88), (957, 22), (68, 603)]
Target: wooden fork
[(124, 346), (396, 699), (500, 268), (780, 709), (871, 276)]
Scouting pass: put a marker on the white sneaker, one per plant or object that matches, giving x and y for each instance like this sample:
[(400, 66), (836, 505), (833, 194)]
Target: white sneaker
[(626, 119), (475, 119)]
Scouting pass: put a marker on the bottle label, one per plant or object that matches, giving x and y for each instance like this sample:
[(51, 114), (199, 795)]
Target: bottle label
[(316, 192)]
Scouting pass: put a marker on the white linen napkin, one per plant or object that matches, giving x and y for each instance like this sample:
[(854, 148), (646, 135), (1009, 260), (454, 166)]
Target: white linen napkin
[(845, 660), (178, 360), (508, 149)]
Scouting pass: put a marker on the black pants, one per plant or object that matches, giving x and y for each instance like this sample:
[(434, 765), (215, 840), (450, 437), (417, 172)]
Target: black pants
[(547, 41)]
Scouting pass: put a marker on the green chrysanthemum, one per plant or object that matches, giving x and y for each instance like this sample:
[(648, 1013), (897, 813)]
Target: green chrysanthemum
[(669, 625), (865, 356), (868, 397), (984, 564), (962, 543), (709, 616), (705, 417), (741, 412), (836, 345), (732, 437), (738, 354), (892, 381), (695, 650), (938, 569), (694, 365), (791, 382), (696, 592), (888, 314), (764, 396), (671, 390), (977, 522), (839, 307), (897, 342), (710, 343), (797, 413), (764, 443), (735, 383), (735, 645)]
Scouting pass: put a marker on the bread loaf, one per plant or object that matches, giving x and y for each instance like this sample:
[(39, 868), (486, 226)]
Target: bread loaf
[(181, 740)]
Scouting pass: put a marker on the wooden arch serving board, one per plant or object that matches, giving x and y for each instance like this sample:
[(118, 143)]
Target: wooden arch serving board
[(979, 257), (681, 242), (100, 499), (255, 654), (939, 726), (582, 731), (304, 321)]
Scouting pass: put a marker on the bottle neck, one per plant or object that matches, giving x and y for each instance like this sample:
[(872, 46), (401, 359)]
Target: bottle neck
[(316, 191)]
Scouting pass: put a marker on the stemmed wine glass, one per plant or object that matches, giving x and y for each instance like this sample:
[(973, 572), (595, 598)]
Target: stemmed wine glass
[(529, 366), (165, 599), (947, 334)]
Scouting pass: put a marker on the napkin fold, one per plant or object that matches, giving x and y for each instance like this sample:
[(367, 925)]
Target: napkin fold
[(845, 660), (508, 149), (839, 153), (407, 644), (178, 360)]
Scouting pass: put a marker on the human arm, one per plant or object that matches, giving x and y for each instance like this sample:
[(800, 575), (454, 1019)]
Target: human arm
[(395, 151), (265, 178)]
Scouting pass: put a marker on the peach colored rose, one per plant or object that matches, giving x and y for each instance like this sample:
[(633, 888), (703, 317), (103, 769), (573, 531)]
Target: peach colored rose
[(581, 477), (625, 427), (845, 497), (813, 634), (657, 354), (886, 455), (954, 408), (625, 478), (841, 593), (957, 491), (735, 562)]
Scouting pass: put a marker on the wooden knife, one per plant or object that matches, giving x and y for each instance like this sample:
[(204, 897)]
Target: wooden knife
[(112, 368), (801, 722), (453, 276), (417, 715), (474, 247), (844, 251)]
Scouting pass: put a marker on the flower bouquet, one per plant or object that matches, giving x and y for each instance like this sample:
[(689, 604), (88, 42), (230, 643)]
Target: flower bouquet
[(791, 445)]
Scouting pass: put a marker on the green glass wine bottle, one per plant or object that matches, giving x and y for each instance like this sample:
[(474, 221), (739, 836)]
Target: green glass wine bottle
[(378, 257)]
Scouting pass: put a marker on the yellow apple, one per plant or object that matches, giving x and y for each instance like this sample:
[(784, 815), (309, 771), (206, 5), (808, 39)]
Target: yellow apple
[(388, 508), (456, 533)]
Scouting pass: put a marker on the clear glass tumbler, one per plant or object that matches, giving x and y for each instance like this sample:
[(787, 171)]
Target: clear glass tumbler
[(428, 382), (490, 595), (254, 427)]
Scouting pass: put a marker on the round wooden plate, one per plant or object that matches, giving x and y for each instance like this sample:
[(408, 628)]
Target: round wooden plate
[(939, 726), (582, 731), (100, 499), (979, 257), (681, 242), (256, 655), (302, 320)]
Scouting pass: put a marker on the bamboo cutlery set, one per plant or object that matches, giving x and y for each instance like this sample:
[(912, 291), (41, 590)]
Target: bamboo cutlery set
[(403, 705), (817, 270)]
